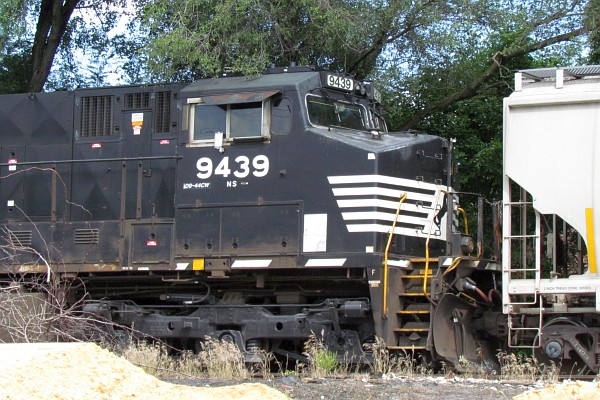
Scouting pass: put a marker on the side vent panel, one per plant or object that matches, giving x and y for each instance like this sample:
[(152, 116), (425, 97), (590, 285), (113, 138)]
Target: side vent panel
[(20, 238), (87, 236)]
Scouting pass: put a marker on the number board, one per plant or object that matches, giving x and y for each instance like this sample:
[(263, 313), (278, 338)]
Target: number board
[(376, 95), (340, 82)]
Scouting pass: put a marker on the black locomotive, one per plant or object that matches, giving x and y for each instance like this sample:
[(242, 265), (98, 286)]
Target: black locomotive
[(257, 210)]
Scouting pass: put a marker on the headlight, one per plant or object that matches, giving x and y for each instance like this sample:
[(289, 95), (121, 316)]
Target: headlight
[(467, 244)]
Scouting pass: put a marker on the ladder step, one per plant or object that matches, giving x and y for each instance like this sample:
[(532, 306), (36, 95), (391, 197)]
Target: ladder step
[(518, 203), (412, 340), (407, 348), (413, 290), (420, 276), (521, 237), (416, 308), (424, 260), (419, 294), (413, 327), (523, 270), (407, 344), (524, 329)]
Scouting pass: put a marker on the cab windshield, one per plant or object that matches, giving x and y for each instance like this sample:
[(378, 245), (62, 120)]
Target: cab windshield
[(326, 112)]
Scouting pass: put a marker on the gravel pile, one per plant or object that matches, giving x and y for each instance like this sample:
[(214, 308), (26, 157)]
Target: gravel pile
[(85, 371), (564, 391)]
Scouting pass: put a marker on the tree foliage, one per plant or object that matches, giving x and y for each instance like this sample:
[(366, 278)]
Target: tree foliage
[(34, 32), (12, 20), (247, 35)]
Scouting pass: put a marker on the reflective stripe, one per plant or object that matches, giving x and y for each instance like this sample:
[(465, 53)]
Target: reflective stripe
[(325, 262), (399, 263), (251, 263), (589, 224)]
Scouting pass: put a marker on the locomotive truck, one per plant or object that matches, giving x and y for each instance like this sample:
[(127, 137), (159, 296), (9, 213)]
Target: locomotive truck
[(265, 210)]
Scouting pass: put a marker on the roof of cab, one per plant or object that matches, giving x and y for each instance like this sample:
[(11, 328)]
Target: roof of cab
[(235, 84)]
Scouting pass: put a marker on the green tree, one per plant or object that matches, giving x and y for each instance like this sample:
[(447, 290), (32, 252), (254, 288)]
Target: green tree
[(592, 15), (14, 69), (12, 20), (53, 17), (205, 37), (28, 52), (465, 53)]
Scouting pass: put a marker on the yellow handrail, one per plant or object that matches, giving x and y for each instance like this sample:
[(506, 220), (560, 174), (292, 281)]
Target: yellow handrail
[(385, 257), (453, 265), (462, 210)]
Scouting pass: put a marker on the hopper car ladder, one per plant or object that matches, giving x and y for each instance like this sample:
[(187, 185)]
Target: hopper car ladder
[(521, 336)]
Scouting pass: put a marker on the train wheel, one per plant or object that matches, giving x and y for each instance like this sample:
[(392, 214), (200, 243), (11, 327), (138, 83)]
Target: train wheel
[(552, 352)]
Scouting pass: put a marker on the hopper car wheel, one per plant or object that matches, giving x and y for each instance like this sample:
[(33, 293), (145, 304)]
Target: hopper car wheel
[(573, 366)]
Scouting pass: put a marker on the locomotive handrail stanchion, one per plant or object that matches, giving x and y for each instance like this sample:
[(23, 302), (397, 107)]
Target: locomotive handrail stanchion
[(464, 214), (385, 256), (53, 194), (435, 205), (138, 198)]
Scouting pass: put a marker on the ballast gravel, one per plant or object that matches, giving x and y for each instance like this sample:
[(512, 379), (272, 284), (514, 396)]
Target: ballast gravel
[(69, 371)]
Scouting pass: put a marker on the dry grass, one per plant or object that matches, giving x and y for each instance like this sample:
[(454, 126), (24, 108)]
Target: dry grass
[(216, 359), (515, 366), (153, 358), (222, 360), (405, 364)]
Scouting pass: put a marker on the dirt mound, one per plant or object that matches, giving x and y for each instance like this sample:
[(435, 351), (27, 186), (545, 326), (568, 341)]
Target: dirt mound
[(85, 371), (564, 391)]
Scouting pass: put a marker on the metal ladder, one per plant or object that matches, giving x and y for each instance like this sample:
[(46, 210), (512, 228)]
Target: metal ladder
[(414, 311), (512, 303)]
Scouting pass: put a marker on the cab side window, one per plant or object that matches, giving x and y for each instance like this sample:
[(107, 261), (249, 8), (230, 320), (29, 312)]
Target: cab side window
[(234, 121), (208, 120), (245, 120)]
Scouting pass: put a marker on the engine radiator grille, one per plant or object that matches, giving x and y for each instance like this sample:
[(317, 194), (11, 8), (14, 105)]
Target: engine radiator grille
[(96, 116), (162, 117)]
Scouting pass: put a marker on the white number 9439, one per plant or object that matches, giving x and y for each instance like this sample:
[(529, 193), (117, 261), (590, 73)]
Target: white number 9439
[(242, 167)]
